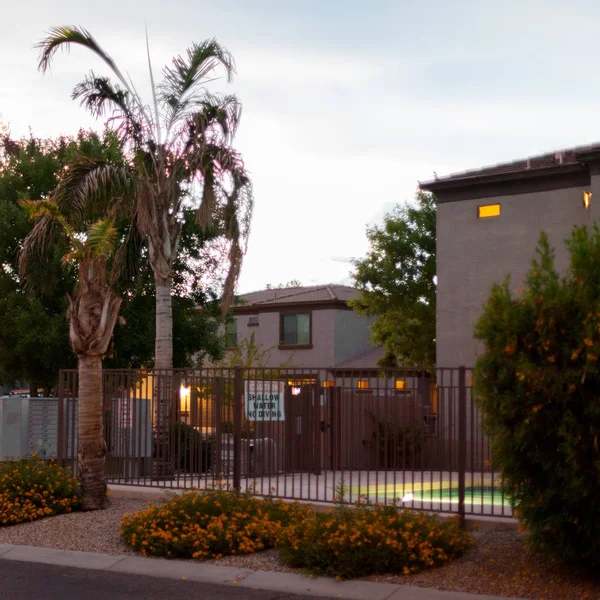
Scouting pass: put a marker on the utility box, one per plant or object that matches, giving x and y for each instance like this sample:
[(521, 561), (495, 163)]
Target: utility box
[(13, 427)]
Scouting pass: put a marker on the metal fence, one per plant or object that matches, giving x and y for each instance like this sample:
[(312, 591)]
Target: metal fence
[(397, 435)]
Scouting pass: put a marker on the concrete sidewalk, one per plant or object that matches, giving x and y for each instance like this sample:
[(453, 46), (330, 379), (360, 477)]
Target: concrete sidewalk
[(290, 583)]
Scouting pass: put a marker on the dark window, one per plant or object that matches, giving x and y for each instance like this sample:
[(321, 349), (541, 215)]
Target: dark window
[(295, 330), (253, 322), (231, 334)]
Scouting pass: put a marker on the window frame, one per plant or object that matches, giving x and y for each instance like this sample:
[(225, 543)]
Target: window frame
[(287, 313), (228, 346)]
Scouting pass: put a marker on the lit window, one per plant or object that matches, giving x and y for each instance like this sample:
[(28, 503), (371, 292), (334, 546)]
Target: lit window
[(231, 334), (295, 330), (400, 384), (328, 384), (489, 210), (363, 384), (587, 199)]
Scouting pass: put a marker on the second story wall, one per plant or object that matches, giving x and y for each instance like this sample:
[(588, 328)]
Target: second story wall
[(267, 336), (473, 254), (352, 335)]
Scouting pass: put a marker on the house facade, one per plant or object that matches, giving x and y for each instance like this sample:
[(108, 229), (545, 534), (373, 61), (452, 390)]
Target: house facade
[(488, 226), (301, 326)]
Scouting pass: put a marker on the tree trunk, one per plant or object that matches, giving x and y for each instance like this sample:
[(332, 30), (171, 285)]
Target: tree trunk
[(162, 465), (91, 447), (163, 350), (33, 390)]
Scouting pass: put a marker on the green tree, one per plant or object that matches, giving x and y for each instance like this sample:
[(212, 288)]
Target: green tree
[(179, 146), (33, 329), (397, 283), (537, 381), (34, 341), (92, 314)]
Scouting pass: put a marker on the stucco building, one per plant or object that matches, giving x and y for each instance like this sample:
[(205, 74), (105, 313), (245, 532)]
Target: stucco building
[(307, 326), (488, 225)]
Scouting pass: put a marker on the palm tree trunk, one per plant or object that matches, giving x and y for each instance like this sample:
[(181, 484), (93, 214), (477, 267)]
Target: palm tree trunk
[(91, 447), (162, 465), (163, 351)]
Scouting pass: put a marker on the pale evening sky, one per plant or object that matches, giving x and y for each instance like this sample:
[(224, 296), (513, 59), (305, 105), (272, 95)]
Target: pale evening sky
[(347, 104)]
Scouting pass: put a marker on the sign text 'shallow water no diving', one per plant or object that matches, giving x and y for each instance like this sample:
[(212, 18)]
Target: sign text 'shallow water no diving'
[(264, 400)]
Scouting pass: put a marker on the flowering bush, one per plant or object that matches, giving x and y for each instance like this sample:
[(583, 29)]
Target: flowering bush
[(354, 542), (31, 488), (537, 383), (209, 524)]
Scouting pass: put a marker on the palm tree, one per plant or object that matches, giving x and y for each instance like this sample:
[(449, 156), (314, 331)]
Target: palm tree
[(92, 314), (181, 155)]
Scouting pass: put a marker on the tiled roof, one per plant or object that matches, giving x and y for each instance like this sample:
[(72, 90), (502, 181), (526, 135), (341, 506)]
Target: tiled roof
[(299, 295), (569, 156), (366, 360)]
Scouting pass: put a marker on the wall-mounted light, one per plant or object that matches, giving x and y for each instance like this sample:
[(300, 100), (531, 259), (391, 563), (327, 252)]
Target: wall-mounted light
[(184, 398), (400, 384), (296, 391), (587, 199)]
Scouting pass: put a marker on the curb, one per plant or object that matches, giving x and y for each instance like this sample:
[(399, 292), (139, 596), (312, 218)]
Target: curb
[(291, 583), (483, 523)]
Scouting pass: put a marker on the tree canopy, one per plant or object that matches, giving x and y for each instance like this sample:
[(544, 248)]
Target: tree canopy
[(397, 283), (33, 327)]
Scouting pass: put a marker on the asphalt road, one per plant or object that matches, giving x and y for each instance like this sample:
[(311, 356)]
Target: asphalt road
[(35, 581)]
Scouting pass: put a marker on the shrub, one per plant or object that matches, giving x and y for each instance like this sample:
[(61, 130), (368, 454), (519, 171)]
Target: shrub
[(399, 445), (209, 524), (355, 542), (31, 488), (537, 383), (193, 452)]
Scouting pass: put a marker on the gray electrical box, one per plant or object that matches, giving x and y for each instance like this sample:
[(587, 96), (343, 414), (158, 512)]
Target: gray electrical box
[(13, 426)]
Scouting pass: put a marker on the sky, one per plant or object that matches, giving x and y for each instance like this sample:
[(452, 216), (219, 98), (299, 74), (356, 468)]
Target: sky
[(347, 104)]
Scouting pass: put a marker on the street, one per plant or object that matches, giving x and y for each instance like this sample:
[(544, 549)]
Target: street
[(35, 581)]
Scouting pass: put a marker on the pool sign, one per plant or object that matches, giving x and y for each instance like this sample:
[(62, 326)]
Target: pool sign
[(264, 400)]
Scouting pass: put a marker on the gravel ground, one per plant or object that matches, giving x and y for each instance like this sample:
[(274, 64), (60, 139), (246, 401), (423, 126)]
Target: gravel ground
[(499, 564)]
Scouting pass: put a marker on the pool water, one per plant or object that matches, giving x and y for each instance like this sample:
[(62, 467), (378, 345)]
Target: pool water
[(473, 495)]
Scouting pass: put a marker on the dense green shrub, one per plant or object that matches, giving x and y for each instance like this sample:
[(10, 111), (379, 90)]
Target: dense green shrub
[(192, 451), (209, 524), (31, 488), (538, 383), (364, 540)]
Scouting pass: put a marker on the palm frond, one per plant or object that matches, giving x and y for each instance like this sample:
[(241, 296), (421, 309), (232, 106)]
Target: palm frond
[(65, 36), (49, 231), (101, 238), (189, 72), (91, 188)]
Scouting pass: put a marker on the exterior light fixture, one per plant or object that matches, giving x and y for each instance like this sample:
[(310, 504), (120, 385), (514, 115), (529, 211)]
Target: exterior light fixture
[(400, 384), (587, 199), (184, 398)]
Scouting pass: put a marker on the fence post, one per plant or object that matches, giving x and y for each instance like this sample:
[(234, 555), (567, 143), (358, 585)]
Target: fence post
[(61, 418), (462, 441), (237, 428)]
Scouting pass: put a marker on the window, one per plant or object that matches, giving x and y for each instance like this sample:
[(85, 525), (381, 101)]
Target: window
[(587, 199), (363, 384), (295, 330), (489, 210), (253, 322), (231, 334)]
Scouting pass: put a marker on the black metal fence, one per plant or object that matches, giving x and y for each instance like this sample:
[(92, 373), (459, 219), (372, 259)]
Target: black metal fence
[(397, 435)]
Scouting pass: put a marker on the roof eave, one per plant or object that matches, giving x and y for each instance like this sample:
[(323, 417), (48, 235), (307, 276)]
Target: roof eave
[(438, 185)]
